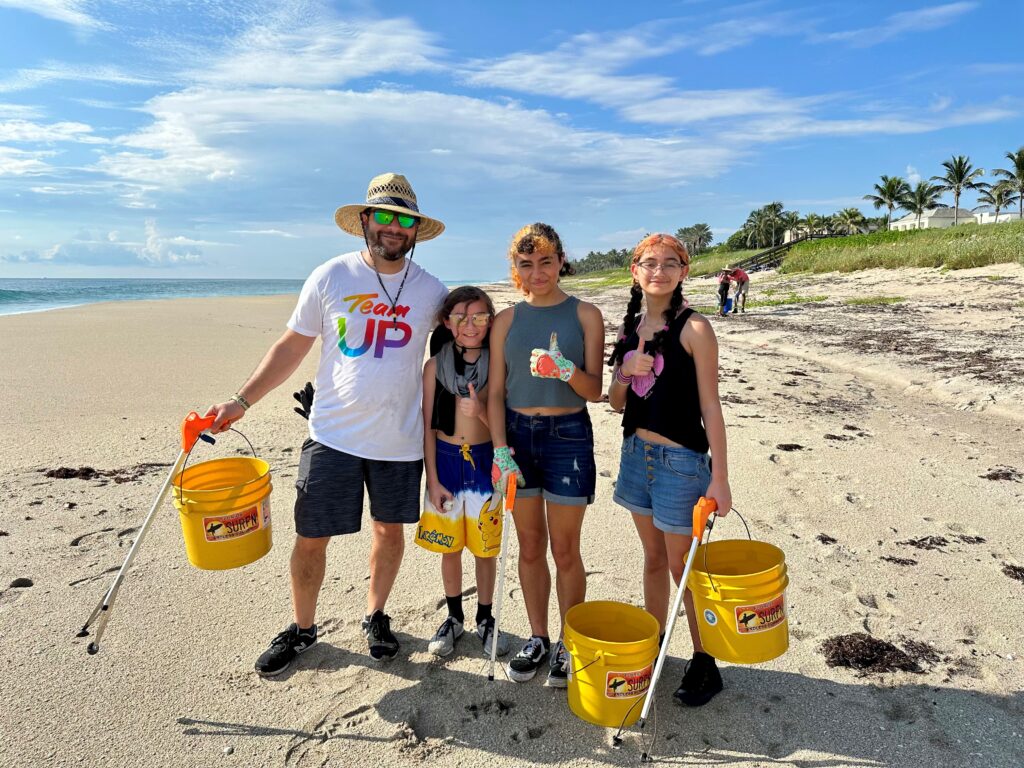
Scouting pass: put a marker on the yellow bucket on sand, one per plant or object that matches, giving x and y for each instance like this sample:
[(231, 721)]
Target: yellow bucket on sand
[(613, 647), (224, 507), (739, 598)]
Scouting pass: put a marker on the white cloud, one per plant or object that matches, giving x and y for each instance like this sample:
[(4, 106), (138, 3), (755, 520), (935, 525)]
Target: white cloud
[(23, 111), (66, 11), (211, 134), (25, 131), (913, 176), (54, 72), (272, 232), (18, 162), (284, 51), (623, 238), (899, 24), (733, 33), (582, 68), (96, 250), (695, 106)]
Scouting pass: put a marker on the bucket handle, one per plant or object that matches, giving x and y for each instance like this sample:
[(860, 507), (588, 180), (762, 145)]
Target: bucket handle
[(599, 655), (749, 538), (211, 440)]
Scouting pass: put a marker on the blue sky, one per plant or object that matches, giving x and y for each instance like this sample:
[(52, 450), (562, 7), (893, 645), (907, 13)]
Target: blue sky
[(195, 138)]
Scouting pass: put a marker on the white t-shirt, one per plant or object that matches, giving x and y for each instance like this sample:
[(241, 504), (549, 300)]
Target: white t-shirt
[(369, 386)]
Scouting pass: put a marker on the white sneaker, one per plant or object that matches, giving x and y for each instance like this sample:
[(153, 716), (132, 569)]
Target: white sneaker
[(443, 641)]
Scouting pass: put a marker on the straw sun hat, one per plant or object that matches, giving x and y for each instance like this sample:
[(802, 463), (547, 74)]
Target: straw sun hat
[(389, 192)]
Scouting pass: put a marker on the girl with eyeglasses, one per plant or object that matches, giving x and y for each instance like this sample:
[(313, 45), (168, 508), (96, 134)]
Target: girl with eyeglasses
[(665, 381), (545, 366), (460, 510)]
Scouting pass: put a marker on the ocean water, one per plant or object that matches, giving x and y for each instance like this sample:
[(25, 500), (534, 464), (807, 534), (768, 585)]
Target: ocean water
[(41, 294)]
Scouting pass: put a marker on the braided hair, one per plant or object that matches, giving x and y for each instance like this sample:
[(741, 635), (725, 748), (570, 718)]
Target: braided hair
[(630, 320)]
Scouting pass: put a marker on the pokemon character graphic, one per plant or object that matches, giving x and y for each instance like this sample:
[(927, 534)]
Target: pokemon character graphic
[(488, 528)]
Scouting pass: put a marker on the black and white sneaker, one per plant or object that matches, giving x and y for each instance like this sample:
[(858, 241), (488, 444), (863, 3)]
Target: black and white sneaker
[(443, 641), (284, 649), (524, 665), (558, 667), (383, 644)]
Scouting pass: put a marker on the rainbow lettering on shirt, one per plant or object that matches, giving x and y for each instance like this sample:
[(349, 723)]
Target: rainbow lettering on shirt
[(380, 334)]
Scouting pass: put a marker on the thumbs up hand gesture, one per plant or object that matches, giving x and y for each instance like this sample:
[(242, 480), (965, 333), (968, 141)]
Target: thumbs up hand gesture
[(551, 363), (637, 362), (471, 406)]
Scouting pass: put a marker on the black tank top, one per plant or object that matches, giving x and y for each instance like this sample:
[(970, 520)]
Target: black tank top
[(672, 406)]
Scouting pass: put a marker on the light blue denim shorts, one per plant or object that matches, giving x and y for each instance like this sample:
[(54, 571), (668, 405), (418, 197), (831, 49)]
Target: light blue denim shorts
[(663, 481)]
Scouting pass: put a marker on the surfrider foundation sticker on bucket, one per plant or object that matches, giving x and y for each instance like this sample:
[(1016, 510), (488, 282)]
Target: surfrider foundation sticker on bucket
[(627, 685), (762, 617), (227, 527)]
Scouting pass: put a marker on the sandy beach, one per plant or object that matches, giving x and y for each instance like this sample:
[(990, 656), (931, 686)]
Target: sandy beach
[(880, 445)]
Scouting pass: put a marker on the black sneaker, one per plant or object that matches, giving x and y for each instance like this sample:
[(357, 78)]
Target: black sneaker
[(701, 682), (283, 650), (558, 667), (383, 644), (524, 665)]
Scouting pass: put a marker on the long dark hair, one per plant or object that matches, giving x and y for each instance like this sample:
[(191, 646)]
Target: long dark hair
[(631, 319), (441, 335)]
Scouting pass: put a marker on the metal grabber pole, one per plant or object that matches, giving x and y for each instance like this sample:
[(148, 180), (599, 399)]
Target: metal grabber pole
[(192, 428), (506, 524), (703, 519)]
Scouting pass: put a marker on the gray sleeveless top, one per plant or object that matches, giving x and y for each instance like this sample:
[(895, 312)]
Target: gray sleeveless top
[(532, 328)]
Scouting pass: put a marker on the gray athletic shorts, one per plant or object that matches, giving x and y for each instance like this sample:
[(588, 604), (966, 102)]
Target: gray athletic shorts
[(329, 499)]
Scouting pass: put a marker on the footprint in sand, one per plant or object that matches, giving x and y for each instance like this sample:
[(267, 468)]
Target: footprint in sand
[(17, 589)]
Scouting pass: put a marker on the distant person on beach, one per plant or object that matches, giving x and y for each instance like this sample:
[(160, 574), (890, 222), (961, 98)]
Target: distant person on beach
[(460, 511), (724, 281), (545, 367), (742, 280), (373, 310), (665, 381)]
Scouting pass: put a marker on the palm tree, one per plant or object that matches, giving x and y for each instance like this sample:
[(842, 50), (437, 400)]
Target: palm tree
[(1015, 177), (702, 237), (996, 196), (959, 175), (888, 194), (813, 223), (791, 221), (921, 198), (848, 221)]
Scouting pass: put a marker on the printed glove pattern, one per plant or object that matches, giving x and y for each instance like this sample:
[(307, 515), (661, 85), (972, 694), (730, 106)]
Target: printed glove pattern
[(551, 363), (503, 466)]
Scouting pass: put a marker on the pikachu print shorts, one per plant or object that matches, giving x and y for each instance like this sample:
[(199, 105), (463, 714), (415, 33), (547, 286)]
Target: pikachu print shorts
[(474, 520)]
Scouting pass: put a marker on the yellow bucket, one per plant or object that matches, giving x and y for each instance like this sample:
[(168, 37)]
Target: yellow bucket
[(613, 648), (739, 598), (224, 507)]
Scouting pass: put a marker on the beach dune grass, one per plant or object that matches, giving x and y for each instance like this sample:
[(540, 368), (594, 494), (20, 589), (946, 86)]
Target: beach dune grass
[(874, 300), (962, 247)]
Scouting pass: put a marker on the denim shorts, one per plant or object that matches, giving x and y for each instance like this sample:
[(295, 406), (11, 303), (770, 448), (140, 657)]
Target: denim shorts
[(663, 481), (555, 455)]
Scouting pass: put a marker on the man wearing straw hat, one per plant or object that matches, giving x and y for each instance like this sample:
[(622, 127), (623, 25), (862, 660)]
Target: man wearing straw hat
[(373, 310)]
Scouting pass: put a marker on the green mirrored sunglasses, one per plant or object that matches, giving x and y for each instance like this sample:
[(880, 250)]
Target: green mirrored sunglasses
[(386, 217)]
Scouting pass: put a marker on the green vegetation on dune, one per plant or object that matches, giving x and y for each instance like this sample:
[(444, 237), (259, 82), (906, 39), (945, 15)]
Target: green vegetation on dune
[(959, 247)]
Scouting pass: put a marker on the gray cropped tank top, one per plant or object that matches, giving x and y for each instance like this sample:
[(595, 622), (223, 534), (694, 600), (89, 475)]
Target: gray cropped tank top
[(531, 329)]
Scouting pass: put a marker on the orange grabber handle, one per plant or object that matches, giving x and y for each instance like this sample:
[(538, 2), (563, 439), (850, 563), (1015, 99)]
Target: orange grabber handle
[(702, 510), (191, 427), (510, 492)]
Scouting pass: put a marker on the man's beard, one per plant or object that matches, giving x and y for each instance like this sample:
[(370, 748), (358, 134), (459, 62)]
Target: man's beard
[(388, 253)]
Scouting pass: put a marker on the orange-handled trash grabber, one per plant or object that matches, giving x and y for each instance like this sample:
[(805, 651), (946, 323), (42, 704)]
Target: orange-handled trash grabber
[(192, 428), (506, 520), (703, 519)]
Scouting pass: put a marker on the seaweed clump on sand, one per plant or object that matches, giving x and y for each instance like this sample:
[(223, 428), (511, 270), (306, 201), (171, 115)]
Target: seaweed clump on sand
[(1014, 572), (865, 653)]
